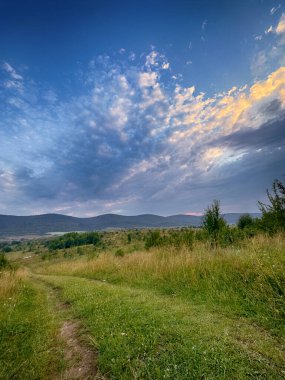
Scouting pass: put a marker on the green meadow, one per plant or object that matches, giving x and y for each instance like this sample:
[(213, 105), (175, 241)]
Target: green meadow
[(176, 311)]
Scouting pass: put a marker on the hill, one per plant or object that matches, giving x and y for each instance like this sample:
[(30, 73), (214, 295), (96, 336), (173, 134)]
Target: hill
[(11, 225)]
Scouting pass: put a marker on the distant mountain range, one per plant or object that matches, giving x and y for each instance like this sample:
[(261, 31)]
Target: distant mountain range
[(43, 224)]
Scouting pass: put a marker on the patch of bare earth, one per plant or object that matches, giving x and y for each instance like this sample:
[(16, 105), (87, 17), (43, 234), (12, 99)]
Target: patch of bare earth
[(80, 359)]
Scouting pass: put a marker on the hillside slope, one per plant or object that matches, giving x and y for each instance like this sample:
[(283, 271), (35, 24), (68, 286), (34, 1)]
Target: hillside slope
[(11, 225)]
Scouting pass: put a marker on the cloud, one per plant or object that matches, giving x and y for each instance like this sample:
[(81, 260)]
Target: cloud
[(273, 10), (165, 66), (204, 25), (280, 29), (11, 71), (136, 141), (272, 54), (269, 30), (147, 79)]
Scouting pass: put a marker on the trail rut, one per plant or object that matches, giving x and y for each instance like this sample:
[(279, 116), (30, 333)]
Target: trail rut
[(80, 356)]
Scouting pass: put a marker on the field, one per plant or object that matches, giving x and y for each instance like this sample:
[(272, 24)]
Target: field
[(120, 311)]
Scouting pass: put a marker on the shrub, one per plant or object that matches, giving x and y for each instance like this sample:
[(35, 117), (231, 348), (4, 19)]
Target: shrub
[(213, 222), (245, 221), (119, 253), (153, 239), (273, 214), (74, 239), (180, 238), (3, 261), (80, 251), (230, 235), (7, 249)]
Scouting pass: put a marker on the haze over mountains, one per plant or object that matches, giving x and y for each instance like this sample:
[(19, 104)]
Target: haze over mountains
[(11, 225)]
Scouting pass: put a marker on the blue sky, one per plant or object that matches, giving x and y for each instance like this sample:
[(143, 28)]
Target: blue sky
[(140, 106)]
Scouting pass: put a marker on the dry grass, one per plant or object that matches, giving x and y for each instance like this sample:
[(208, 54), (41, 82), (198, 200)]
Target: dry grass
[(247, 280), (258, 253), (9, 282)]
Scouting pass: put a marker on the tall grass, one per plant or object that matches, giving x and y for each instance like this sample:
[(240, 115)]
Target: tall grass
[(248, 280), (9, 282)]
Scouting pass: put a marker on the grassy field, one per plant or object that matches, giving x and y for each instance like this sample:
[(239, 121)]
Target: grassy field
[(199, 313), (29, 348)]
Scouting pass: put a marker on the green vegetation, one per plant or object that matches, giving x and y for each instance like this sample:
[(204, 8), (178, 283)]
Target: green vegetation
[(174, 238), (73, 239), (3, 261), (273, 214), (245, 221), (213, 222), (248, 281), (180, 303), (143, 335), (28, 328)]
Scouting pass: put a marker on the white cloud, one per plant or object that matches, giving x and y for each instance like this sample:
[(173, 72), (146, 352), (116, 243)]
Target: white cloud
[(165, 66), (272, 55), (132, 56), (275, 9), (280, 29), (269, 30), (152, 59), (9, 69), (204, 25), (131, 132), (147, 79)]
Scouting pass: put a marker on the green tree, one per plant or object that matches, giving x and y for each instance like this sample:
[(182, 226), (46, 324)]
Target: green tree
[(213, 222), (273, 214), (245, 221)]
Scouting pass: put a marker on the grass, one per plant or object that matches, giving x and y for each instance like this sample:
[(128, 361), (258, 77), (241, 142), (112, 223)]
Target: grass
[(247, 281), (28, 328), (164, 313), (141, 335)]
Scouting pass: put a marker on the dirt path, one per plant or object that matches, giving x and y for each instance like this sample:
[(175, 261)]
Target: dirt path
[(80, 356), (80, 359)]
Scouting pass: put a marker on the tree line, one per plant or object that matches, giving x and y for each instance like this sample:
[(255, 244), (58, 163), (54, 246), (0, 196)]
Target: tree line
[(73, 239), (216, 230), (272, 218)]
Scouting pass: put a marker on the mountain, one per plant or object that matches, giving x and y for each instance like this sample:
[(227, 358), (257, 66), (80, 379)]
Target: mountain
[(11, 225)]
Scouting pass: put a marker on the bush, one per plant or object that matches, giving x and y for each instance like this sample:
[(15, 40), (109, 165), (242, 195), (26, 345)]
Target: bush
[(7, 249), (181, 238), (3, 261), (153, 239), (74, 239), (213, 222), (273, 214), (230, 235), (245, 221), (80, 251), (119, 253)]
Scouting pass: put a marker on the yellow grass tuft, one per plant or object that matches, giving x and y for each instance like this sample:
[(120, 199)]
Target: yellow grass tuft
[(9, 282)]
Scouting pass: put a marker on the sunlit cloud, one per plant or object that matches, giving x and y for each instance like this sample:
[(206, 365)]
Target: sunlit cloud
[(280, 29), (134, 136)]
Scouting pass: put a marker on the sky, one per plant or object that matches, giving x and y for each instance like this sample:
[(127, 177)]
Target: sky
[(135, 107)]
